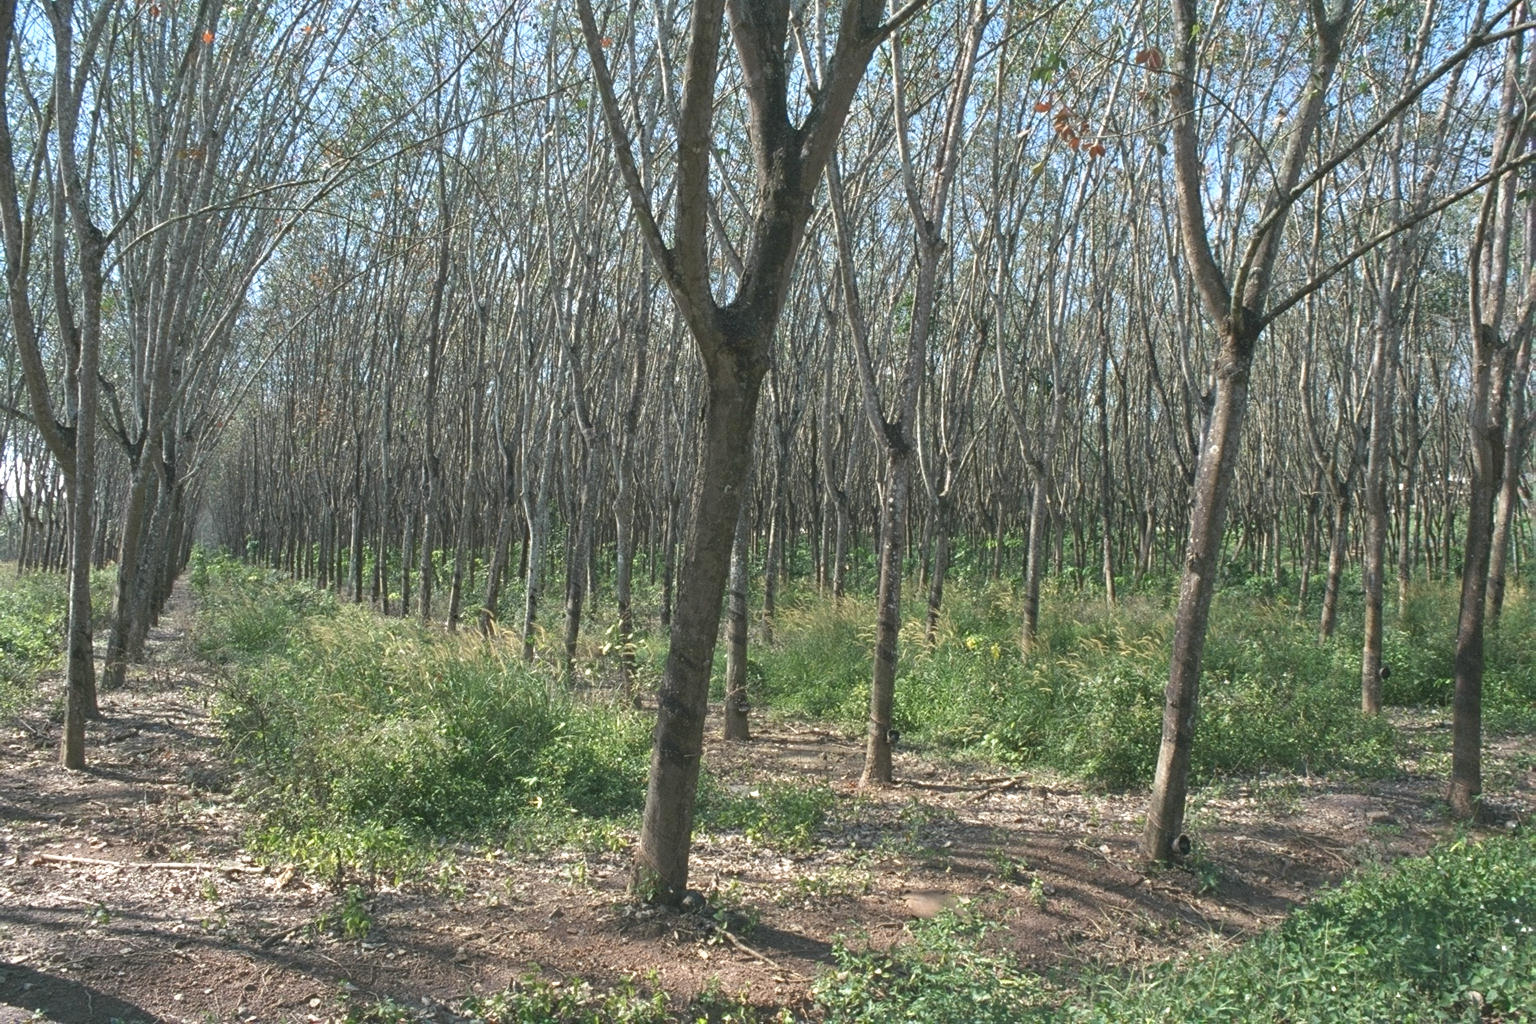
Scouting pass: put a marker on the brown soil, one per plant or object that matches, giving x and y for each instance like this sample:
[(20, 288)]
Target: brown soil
[(125, 894)]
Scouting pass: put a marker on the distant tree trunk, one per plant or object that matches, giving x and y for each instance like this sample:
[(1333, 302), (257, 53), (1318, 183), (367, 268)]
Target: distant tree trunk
[(432, 467), (1338, 550), (115, 668), (1515, 444), (407, 557), (355, 541), (579, 556), (503, 543), (536, 513), (1106, 483), (893, 515), (942, 525), (1383, 377), (736, 701), (1410, 509), (1034, 566)]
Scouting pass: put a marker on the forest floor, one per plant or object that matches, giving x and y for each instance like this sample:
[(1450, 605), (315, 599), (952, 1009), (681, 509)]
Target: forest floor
[(125, 893)]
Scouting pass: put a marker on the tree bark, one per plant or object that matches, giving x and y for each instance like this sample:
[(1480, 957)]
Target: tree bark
[(882, 687), (1165, 816), (661, 859), (736, 704)]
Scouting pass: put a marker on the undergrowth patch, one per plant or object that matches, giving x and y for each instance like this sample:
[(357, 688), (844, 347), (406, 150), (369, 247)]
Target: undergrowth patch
[(1088, 700), (1450, 936), (34, 607), (375, 738)]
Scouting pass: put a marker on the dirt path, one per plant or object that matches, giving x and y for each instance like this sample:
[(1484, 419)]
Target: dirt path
[(124, 893)]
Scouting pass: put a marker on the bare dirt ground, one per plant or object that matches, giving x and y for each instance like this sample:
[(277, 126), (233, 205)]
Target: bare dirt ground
[(125, 894)]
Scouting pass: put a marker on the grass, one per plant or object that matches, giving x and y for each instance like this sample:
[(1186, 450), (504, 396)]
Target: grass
[(33, 611), (1446, 937), (375, 738), (1088, 701), (379, 737)]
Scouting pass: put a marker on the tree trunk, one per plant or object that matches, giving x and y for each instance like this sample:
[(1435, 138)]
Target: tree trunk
[(661, 858), (1034, 567), (882, 689), (498, 566), (1337, 552), (1486, 437), (1518, 436), (355, 540), (115, 668), (1373, 565), (771, 566), (736, 705), (536, 511), (1165, 816), (942, 525), (579, 560), (426, 570)]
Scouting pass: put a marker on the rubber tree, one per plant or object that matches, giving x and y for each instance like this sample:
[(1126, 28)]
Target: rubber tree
[(895, 425), (1235, 303), (1501, 299), (52, 201), (1242, 305), (733, 337), (1400, 265)]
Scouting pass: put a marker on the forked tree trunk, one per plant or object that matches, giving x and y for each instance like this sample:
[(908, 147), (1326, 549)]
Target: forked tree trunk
[(1495, 348), (734, 339)]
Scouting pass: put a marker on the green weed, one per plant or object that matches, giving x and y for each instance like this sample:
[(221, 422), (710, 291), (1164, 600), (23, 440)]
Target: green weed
[(779, 815), (375, 736), (1438, 938), (944, 974), (34, 608), (350, 917)]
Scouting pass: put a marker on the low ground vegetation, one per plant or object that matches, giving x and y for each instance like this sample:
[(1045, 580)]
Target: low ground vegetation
[(32, 614), (379, 751)]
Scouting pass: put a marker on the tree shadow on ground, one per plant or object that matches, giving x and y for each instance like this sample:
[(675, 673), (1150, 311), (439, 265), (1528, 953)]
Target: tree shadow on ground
[(61, 1000)]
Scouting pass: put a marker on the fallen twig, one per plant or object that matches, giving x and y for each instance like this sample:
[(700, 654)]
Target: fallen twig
[(725, 934), (158, 865), (272, 940)]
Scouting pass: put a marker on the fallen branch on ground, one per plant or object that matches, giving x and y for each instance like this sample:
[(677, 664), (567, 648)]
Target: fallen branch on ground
[(158, 865)]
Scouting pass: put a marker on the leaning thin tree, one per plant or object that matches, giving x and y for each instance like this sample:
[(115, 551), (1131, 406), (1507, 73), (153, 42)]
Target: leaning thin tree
[(734, 338), (1241, 303)]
